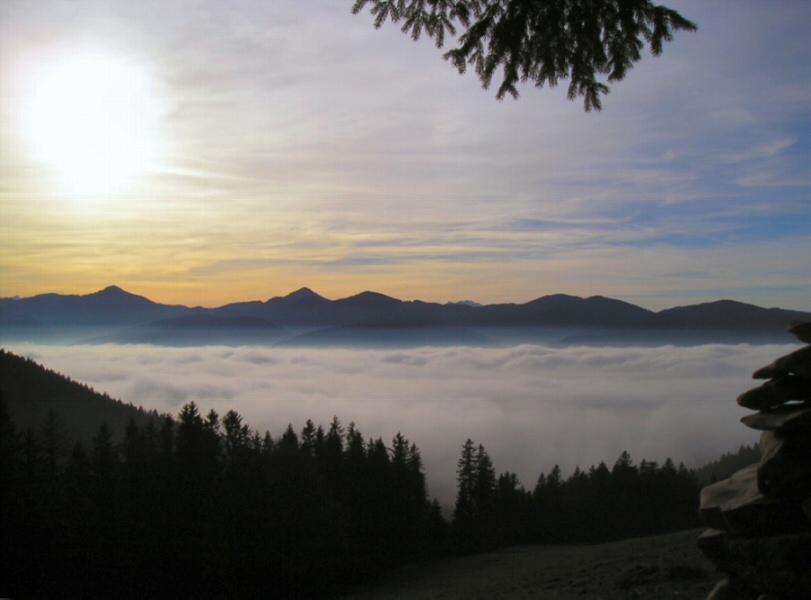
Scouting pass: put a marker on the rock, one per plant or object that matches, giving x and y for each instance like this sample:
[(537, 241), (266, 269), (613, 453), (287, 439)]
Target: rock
[(785, 465), (737, 505), (785, 417), (720, 591), (797, 363), (731, 590), (739, 489), (779, 565), (761, 516), (766, 516), (802, 331), (714, 544), (777, 391), (758, 565)]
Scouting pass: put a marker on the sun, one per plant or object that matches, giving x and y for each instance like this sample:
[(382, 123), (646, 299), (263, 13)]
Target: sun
[(93, 119)]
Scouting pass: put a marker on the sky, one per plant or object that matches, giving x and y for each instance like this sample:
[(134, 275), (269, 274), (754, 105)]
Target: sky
[(532, 407), (203, 153)]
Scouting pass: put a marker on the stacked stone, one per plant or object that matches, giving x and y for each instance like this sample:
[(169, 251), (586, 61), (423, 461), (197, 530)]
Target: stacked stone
[(760, 518)]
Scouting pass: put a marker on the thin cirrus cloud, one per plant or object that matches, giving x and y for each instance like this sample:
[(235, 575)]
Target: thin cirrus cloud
[(531, 406), (764, 150)]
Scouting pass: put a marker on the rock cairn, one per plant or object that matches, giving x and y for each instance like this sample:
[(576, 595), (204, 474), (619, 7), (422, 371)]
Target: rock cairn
[(760, 518)]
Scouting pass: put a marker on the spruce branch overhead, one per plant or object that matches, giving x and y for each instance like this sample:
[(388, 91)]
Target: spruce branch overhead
[(589, 42)]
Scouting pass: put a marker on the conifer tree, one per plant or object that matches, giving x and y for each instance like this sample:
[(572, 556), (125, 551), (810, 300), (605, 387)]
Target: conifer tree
[(54, 444), (513, 510), (466, 481), (211, 435), (475, 513), (331, 455), (13, 547), (235, 434), (289, 441), (308, 435), (484, 486), (589, 43), (416, 474), (9, 442), (334, 438)]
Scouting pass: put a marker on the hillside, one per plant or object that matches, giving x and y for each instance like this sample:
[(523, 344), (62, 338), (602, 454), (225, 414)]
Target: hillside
[(728, 464), (665, 566), (32, 390)]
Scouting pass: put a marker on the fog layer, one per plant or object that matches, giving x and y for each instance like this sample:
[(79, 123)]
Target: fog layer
[(531, 406)]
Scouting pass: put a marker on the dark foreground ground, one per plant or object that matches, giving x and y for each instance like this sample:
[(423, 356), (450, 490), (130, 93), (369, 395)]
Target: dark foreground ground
[(667, 566)]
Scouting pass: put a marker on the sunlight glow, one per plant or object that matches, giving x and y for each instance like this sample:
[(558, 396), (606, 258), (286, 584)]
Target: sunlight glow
[(93, 120)]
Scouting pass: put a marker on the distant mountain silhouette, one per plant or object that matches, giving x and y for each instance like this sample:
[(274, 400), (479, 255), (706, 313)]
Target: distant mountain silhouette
[(201, 329), (212, 320), (303, 297), (725, 314), (302, 307), (563, 310), (373, 309), (110, 306), (11, 318), (132, 318)]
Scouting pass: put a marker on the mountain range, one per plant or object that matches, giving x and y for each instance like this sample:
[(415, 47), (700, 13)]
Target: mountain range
[(304, 317)]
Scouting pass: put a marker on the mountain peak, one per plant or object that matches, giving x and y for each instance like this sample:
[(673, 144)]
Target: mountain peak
[(370, 301), (114, 290), (303, 293), (470, 303), (111, 292), (115, 294), (303, 299), (369, 295)]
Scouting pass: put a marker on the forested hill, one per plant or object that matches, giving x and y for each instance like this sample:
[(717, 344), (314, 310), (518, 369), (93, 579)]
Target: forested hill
[(200, 507), (32, 391), (728, 464)]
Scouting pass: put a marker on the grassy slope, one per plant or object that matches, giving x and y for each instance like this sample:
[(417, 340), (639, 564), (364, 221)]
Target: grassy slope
[(667, 566)]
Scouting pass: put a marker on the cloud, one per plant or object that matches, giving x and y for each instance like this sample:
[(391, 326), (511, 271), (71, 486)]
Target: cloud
[(531, 406), (762, 150), (150, 390)]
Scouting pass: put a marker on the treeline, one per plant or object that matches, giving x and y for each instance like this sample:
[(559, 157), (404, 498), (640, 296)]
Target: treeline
[(206, 507), (597, 505), (728, 464)]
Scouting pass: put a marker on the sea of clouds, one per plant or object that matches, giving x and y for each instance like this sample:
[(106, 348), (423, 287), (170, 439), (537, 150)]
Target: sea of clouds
[(531, 406)]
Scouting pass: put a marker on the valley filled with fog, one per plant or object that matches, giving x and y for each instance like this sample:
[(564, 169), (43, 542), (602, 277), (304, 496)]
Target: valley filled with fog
[(531, 406)]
